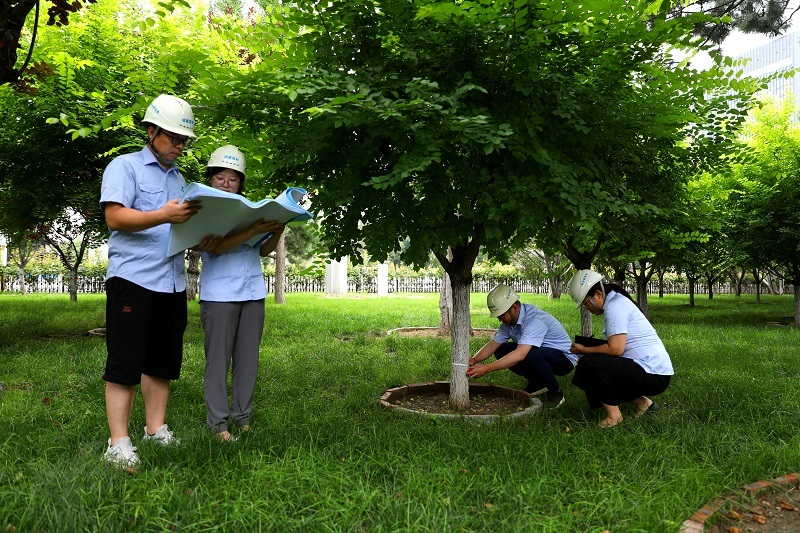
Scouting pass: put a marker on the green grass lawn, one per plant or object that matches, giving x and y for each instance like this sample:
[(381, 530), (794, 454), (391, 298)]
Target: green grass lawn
[(323, 456)]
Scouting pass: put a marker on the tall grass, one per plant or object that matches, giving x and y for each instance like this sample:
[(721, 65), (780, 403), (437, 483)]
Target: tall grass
[(323, 456)]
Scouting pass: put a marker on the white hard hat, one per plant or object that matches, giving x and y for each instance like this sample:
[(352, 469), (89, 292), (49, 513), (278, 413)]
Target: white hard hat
[(228, 157), (500, 299), (172, 114), (581, 282)]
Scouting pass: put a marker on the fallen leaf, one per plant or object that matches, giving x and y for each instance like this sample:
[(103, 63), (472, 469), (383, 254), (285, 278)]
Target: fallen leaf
[(733, 514), (189, 492), (760, 518), (786, 506), (46, 400), (130, 470), (463, 471), (488, 505), (734, 529)]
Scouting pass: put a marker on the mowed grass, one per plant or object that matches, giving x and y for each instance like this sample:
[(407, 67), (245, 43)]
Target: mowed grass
[(322, 454)]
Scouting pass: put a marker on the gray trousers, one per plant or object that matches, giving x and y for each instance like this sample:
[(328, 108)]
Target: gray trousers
[(232, 335)]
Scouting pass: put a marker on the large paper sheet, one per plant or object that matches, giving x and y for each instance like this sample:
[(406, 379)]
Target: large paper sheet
[(224, 213)]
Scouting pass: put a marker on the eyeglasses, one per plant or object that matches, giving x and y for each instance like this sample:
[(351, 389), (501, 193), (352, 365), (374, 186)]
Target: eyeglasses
[(500, 318), (222, 179), (175, 140)]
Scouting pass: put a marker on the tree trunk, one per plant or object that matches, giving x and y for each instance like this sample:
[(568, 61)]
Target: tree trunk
[(586, 322), (192, 274), (21, 277), (796, 303), (554, 276), (73, 284), (459, 383), (446, 303), (710, 281), (691, 291), (757, 280), (660, 273), (641, 294), (280, 271)]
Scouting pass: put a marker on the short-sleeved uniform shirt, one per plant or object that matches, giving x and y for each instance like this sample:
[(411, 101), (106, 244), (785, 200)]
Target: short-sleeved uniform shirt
[(139, 181), (537, 328), (234, 276), (643, 343)]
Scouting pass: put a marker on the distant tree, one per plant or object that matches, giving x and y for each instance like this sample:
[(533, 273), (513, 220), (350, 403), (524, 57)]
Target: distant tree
[(767, 221)]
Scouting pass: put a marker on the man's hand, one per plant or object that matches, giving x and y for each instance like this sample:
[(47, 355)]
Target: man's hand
[(476, 371), (178, 213)]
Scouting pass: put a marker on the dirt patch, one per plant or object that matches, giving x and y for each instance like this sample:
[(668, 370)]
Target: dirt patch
[(775, 509), (428, 332), (486, 403)]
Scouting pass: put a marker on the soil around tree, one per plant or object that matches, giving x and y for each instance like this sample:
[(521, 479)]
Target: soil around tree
[(774, 509), (487, 401), (425, 332)]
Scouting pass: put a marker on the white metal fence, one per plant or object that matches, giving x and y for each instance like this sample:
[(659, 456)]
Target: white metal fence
[(363, 284)]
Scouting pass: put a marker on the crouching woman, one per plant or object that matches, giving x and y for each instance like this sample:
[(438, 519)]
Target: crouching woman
[(631, 365)]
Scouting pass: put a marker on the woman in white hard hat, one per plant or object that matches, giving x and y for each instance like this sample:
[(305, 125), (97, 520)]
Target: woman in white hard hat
[(232, 294), (539, 347), (631, 365)]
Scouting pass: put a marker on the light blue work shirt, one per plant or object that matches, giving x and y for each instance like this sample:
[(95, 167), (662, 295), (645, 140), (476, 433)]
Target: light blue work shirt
[(643, 344), (234, 276), (538, 328), (139, 181)]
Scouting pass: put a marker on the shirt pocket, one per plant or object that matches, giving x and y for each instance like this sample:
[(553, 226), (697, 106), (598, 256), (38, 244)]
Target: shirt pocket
[(150, 196)]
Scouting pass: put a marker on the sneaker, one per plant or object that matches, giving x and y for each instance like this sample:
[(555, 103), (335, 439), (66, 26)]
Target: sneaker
[(163, 436), (554, 399), (122, 453)]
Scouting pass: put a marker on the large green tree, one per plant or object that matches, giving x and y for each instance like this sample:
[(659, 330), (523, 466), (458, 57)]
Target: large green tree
[(469, 125), (766, 220), (105, 67)]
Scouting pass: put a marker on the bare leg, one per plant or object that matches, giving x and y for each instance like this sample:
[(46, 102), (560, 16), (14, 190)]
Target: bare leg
[(613, 416), (119, 403), (156, 393)]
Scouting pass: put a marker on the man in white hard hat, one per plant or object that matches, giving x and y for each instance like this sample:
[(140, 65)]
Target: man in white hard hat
[(538, 349), (146, 311)]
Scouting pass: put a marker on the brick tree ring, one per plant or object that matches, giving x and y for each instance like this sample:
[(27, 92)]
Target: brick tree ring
[(768, 506)]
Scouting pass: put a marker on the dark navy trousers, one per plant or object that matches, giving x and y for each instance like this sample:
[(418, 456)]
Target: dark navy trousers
[(540, 367)]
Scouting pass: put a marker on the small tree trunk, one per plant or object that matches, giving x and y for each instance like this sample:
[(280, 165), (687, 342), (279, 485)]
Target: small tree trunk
[(459, 383), (660, 273), (796, 303), (73, 284), (757, 280), (192, 274), (446, 303), (586, 322), (691, 291), (280, 271), (21, 277), (710, 282), (641, 294)]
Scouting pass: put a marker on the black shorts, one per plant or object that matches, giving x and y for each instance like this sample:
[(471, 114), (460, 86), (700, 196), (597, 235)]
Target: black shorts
[(144, 332)]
